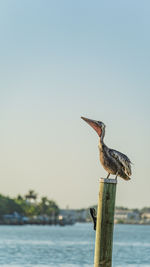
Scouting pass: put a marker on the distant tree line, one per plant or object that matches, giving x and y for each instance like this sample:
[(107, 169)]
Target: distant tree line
[(28, 205)]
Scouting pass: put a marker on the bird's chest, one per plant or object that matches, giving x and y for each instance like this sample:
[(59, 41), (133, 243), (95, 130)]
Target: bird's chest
[(108, 163), (104, 159)]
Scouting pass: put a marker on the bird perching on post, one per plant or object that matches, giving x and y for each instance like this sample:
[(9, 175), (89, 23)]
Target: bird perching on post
[(113, 161)]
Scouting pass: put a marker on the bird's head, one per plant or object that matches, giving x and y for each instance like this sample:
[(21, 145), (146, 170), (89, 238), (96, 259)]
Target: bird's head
[(98, 126)]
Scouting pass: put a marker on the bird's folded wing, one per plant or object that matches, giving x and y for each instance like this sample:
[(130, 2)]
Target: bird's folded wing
[(123, 159)]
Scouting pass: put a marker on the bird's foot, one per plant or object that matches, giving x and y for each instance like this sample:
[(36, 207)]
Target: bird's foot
[(116, 176), (108, 176)]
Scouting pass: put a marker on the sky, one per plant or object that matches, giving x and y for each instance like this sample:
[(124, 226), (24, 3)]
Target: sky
[(60, 60)]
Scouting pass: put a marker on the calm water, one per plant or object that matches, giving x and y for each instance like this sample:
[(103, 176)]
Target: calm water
[(70, 246)]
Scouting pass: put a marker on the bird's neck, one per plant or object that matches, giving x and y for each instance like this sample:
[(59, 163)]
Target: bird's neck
[(101, 140)]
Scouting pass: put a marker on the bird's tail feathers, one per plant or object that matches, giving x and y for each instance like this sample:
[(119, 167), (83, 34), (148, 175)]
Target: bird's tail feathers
[(125, 177)]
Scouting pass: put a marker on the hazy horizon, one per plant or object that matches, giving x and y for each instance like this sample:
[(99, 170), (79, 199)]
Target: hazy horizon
[(61, 60)]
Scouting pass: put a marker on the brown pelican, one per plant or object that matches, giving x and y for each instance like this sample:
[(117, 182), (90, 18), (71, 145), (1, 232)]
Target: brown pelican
[(113, 161)]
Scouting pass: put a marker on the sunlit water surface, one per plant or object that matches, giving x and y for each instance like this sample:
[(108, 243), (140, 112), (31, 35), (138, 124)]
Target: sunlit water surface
[(71, 246)]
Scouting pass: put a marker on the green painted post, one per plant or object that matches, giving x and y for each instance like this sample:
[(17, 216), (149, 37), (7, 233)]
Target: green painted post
[(105, 223)]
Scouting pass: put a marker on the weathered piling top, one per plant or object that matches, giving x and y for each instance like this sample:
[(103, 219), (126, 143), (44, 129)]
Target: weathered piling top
[(108, 181)]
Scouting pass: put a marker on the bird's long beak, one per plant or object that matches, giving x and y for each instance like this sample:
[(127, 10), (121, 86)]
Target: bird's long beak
[(94, 124)]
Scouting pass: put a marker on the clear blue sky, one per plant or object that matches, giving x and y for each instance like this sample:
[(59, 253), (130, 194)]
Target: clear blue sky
[(60, 60)]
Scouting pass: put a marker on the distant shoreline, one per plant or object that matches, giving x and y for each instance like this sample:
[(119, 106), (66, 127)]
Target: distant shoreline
[(58, 224)]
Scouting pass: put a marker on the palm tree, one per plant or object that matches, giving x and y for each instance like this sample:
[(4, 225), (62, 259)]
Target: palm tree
[(43, 205), (19, 197), (48, 207)]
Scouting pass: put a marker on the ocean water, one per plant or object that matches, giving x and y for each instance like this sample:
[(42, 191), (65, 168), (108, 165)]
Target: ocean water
[(71, 246)]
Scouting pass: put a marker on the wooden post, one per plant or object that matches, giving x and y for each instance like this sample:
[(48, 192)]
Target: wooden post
[(105, 223)]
